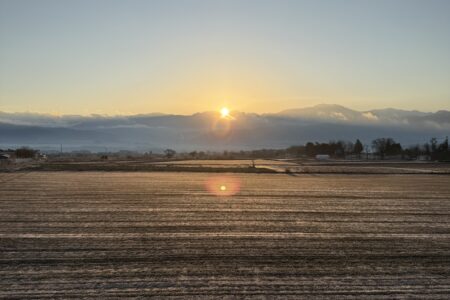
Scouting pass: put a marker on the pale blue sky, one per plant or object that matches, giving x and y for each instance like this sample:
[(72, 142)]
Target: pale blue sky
[(124, 57)]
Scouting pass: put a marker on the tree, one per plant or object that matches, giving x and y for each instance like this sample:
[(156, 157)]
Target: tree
[(170, 153), (433, 143), (393, 148), (444, 146), (440, 151), (25, 152), (379, 146), (336, 148), (295, 151), (310, 149), (348, 147), (412, 152), (358, 148), (386, 146)]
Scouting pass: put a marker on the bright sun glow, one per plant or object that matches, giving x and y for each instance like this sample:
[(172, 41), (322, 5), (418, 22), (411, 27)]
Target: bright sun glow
[(224, 112), (223, 188)]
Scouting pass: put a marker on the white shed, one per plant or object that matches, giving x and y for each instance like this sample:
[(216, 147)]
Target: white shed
[(322, 157)]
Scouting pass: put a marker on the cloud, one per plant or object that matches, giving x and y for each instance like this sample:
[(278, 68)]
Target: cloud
[(370, 116), (339, 116)]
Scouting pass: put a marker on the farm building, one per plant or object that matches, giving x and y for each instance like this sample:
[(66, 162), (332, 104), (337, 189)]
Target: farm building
[(322, 157), (4, 157)]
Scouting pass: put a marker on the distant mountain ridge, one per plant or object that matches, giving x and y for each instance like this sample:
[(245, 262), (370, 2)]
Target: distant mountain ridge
[(322, 112), (207, 131), (341, 113)]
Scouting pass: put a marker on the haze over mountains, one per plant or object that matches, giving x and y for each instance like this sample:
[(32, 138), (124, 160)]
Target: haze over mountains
[(206, 131)]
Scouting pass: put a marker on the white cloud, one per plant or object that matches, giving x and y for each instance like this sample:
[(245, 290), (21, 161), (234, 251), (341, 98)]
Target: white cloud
[(370, 116)]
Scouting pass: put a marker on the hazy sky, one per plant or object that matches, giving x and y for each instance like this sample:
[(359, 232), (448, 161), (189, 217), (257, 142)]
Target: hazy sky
[(124, 57)]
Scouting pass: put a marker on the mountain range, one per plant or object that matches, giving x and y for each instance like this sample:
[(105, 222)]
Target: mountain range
[(208, 131)]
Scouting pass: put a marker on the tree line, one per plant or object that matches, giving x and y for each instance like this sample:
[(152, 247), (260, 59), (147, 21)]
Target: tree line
[(22, 152), (380, 148)]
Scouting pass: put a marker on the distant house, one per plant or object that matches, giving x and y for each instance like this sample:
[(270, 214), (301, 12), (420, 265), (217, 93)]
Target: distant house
[(423, 157), (5, 159), (322, 157), (5, 156)]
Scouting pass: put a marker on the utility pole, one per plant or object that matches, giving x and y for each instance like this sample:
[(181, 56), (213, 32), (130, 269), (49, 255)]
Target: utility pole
[(366, 147), (61, 149)]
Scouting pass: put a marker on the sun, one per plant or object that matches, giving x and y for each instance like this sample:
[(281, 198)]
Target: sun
[(224, 112)]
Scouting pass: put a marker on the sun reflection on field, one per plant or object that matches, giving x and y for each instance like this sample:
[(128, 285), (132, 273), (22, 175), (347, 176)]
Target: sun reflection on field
[(223, 185)]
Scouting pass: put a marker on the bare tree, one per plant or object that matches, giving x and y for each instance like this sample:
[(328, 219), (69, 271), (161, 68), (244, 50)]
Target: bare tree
[(386, 146), (358, 148), (170, 153)]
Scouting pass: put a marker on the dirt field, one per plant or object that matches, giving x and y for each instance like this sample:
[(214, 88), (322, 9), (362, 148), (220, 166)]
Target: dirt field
[(132, 234)]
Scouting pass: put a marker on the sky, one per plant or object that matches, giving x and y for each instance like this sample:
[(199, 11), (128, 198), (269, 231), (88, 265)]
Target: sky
[(135, 56)]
